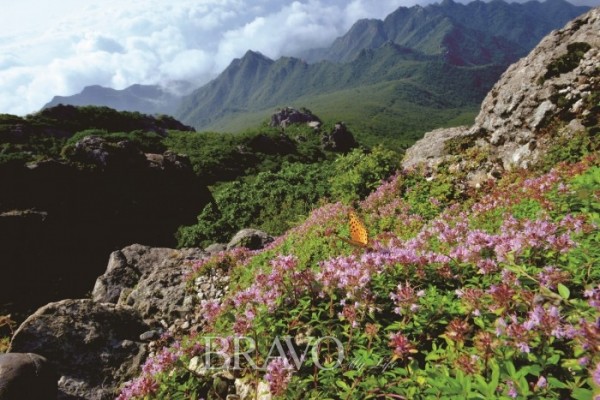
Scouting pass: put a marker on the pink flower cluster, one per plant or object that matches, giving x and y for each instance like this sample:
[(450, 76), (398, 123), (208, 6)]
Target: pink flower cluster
[(346, 273), (279, 373), (210, 311), (540, 321), (146, 384), (224, 259), (401, 346), (406, 299), (268, 289)]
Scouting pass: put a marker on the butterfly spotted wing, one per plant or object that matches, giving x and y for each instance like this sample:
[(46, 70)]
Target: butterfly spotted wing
[(358, 232)]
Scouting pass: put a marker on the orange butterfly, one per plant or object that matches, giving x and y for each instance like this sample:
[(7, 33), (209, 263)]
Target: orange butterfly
[(358, 232)]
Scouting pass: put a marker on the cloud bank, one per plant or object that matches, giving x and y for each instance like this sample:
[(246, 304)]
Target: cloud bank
[(116, 44)]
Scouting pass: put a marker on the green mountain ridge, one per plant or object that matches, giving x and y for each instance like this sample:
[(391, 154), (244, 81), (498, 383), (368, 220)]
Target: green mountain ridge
[(446, 56), (512, 28), (252, 86)]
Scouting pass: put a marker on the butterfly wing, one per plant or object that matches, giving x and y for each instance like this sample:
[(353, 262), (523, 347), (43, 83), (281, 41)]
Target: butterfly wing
[(358, 231)]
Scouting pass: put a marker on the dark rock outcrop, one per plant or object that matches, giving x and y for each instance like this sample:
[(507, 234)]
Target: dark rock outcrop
[(26, 376), (94, 347), (288, 116), (340, 139), (59, 219), (553, 86), (150, 280)]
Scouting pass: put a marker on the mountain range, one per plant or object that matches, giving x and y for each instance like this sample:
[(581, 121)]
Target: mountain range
[(148, 99), (419, 68), (474, 33)]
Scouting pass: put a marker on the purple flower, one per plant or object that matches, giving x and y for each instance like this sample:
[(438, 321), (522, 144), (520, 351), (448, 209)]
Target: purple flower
[(401, 346), (596, 375), (139, 387), (279, 373), (541, 382), (406, 298), (512, 390), (551, 276), (210, 310)]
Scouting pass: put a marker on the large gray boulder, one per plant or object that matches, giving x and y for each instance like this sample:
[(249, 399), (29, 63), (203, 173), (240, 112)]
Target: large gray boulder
[(150, 280), (94, 347), (518, 118), (431, 150), (26, 376)]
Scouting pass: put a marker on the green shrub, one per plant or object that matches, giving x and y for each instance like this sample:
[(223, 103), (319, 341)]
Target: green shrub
[(358, 173), (270, 201), (570, 148)]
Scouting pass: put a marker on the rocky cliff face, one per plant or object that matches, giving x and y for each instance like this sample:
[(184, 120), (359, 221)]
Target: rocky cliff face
[(60, 219), (553, 91)]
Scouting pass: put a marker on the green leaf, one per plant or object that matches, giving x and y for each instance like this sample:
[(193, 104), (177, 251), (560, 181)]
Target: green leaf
[(510, 368), (342, 385), (581, 394), (553, 360), (563, 291), (555, 383)]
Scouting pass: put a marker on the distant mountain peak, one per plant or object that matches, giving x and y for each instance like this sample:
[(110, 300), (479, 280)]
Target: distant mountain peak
[(147, 99), (255, 54), (448, 3)]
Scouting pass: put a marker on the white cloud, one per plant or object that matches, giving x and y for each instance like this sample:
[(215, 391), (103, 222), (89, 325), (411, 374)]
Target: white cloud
[(117, 44)]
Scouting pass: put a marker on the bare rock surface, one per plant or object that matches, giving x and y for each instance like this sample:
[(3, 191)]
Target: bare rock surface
[(253, 239), (551, 84), (150, 280), (288, 116), (26, 376), (93, 347), (431, 149)]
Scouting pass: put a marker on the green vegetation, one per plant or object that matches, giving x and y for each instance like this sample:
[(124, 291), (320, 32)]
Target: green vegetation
[(218, 157), (271, 201), (485, 294), (7, 329), (373, 112), (276, 201), (46, 133), (571, 147), (358, 174), (265, 178)]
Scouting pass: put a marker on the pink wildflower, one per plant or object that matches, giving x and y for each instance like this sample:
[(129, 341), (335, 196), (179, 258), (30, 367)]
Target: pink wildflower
[(279, 373)]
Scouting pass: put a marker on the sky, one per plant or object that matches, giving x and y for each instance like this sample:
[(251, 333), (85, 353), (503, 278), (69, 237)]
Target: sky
[(58, 47)]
